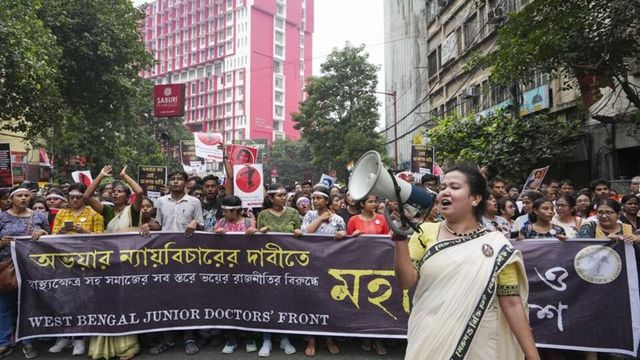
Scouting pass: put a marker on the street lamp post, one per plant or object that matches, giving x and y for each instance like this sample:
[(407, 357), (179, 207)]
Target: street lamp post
[(395, 125)]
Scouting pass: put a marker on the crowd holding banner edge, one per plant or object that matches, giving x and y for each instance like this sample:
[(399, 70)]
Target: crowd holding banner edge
[(554, 210)]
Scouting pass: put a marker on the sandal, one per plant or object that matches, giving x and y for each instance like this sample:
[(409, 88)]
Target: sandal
[(160, 348), (365, 345), (5, 351), (30, 351), (332, 347), (128, 357), (379, 348), (191, 347), (310, 350)]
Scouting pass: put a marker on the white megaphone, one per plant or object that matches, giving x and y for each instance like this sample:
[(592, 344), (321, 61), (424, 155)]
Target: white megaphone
[(371, 177)]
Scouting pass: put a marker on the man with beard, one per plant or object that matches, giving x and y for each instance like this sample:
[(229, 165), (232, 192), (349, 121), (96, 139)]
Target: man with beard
[(211, 211)]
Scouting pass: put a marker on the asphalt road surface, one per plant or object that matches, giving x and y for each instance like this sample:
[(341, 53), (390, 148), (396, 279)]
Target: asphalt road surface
[(349, 349)]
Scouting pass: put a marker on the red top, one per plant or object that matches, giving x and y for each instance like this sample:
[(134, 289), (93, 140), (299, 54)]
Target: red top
[(376, 226)]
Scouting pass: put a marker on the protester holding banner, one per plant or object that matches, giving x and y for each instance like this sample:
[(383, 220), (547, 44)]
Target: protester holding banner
[(78, 218), (565, 215), (607, 226), (372, 223), (458, 312), (368, 221), (17, 220), (233, 221), (540, 225), (276, 217), (120, 217), (322, 221), (630, 207)]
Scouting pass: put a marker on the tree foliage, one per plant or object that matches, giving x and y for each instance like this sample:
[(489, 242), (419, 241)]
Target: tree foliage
[(70, 81), (573, 38), (29, 60), (509, 147), (292, 160), (339, 116)]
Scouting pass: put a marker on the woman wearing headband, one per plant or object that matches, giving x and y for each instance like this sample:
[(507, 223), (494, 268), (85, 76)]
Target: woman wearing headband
[(277, 217), (18, 220), (322, 221), (233, 221)]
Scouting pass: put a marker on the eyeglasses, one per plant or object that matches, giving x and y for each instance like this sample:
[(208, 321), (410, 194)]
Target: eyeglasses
[(75, 197), (606, 213)]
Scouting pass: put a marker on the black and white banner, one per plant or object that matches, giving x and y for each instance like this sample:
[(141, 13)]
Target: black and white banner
[(583, 294)]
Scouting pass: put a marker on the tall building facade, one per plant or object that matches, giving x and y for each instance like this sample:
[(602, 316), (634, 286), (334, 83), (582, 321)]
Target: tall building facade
[(244, 62), (405, 58)]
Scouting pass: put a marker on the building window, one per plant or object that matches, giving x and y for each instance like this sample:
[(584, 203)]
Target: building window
[(279, 111), (279, 82), (279, 96), (279, 50), (433, 62), (279, 24), (277, 67), (279, 36), (470, 30)]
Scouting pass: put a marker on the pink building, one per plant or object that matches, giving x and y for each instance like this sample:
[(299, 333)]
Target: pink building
[(244, 62)]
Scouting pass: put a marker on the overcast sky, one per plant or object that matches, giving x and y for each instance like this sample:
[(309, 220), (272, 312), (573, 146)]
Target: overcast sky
[(339, 21)]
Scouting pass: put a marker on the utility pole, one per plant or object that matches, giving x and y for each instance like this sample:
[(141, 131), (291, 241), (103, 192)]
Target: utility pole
[(395, 125)]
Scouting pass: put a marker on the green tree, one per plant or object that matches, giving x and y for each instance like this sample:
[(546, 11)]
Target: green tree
[(69, 74), (99, 82), (583, 39), (29, 61), (339, 116), (291, 159), (509, 147)]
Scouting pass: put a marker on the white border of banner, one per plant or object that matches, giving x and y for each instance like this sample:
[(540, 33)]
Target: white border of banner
[(634, 300)]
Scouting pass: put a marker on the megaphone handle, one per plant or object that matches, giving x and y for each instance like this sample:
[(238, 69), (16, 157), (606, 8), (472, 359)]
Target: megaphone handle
[(403, 218)]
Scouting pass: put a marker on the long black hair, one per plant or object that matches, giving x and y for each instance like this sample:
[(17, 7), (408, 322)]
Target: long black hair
[(477, 186)]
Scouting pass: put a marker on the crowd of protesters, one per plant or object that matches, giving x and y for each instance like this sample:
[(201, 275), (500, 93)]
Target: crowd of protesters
[(556, 210)]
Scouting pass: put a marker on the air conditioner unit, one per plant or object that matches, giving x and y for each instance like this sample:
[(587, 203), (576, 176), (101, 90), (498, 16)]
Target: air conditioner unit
[(470, 92), (496, 15), (443, 3), (434, 113)]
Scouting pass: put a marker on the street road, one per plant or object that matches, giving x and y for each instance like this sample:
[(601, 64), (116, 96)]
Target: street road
[(349, 349)]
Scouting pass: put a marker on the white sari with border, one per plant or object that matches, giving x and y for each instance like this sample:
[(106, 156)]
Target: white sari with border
[(455, 312)]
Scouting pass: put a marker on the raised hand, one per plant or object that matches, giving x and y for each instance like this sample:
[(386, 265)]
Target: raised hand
[(106, 171), (123, 172)]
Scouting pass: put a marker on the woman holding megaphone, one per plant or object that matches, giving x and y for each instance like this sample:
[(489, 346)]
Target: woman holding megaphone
[(470, 283)]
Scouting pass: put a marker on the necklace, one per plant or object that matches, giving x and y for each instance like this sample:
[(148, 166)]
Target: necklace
[(475, 231)]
